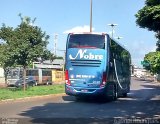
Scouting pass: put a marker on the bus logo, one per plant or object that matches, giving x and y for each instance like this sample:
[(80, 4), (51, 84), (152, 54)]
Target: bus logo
[(82, 54)]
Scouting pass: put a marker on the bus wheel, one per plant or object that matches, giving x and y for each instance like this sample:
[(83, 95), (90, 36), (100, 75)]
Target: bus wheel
[(36, 83), (47, 83), (124, 94), (113, 93), (33, 84), (78, 98)]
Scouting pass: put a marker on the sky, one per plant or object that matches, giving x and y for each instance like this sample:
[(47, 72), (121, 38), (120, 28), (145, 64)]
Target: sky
[(63, 16)]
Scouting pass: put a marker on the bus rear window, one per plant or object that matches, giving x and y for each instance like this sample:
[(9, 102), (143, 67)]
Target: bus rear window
[(86, 41)]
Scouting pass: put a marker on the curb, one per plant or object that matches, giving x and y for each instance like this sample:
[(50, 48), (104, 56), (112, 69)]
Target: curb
[(29, 98)]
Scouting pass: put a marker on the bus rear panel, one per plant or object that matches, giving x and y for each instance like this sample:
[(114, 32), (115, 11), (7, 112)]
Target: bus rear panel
[(86, 64), (96, 65)]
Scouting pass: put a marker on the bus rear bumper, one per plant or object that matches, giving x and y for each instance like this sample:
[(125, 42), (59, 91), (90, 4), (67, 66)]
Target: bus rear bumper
[(76, 91)]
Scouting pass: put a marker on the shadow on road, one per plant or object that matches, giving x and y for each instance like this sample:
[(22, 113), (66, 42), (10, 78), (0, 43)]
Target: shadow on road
[(89, 100), (148, 91), (141, 103)]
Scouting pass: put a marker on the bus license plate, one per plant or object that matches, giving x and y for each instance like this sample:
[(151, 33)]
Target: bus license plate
[(84, 91)]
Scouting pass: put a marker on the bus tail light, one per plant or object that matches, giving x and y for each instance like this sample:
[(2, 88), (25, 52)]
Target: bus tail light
[(104, 79), (67, 78)]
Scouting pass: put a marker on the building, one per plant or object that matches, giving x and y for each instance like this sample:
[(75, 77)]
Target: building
[(57, 64), (141, 72), (57, 67)]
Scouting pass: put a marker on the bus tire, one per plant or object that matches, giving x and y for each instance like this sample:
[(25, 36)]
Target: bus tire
[(124, 95), (78, 98), (47, 83), (33, 84), (113, 96), (36, 83)]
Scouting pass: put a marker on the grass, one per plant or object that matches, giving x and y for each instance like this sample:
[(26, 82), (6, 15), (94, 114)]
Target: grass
[(13, 93)]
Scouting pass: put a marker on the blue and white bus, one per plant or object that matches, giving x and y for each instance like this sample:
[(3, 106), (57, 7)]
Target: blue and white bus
[(96, 65)]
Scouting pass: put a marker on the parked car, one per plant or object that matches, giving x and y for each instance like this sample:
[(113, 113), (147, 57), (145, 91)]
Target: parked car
[(29, 82)]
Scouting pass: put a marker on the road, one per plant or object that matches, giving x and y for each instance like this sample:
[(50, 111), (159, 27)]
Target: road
[(142, 102)]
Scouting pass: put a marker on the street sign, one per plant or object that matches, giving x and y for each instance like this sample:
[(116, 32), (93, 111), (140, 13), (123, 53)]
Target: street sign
[(145, 63)]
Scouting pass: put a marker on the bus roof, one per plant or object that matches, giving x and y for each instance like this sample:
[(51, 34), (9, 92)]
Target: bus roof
[(123, 46), (98, 33)]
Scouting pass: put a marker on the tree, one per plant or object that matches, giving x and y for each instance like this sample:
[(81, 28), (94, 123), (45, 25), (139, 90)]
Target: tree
[(149, 16), (154, 61), (6, 59), (47, 55), (25, 44), (158, 45)]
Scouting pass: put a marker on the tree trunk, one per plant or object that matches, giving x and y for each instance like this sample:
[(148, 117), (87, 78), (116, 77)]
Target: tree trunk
[(24, 78), (5, 74)]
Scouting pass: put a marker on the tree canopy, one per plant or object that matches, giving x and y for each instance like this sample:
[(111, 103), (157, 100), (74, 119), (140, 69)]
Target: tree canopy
[(24, 44), (149, 16), (154, 61)]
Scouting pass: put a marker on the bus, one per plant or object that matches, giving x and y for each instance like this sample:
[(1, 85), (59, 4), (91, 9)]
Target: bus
[(40, 76), (13, 75), (96, 65)]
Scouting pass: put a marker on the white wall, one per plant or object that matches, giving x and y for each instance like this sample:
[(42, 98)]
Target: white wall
[(1, 72)]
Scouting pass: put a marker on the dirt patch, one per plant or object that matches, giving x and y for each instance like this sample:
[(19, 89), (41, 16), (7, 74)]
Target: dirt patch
[(2, 85)]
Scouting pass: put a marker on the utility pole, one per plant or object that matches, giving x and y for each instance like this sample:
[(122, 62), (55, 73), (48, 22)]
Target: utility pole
[(55, 43), (91, 16), (63, 62), (112, 25), (119, 37)]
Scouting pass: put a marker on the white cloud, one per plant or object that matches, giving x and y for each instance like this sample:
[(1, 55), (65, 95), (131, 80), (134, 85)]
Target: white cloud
[(84, 28), (138, 50)]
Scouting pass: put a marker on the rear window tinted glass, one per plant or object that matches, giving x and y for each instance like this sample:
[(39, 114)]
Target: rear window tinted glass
[(86, 41)]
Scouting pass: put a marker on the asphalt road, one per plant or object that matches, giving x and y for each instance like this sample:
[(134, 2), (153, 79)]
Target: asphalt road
[(143, 102)]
